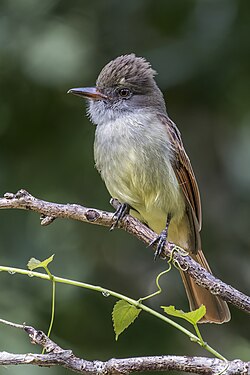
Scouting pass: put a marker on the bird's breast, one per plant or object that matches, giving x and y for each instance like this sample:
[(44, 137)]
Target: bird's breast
[(133, 155)]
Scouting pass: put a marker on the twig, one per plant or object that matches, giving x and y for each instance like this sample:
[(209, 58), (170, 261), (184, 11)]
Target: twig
[(25, 201), (65, 358)]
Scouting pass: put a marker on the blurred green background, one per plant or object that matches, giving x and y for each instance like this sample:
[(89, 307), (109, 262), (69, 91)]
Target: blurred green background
[(201, 51)]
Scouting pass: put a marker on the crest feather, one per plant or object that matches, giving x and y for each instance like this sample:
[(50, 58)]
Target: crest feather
[(126, 69)]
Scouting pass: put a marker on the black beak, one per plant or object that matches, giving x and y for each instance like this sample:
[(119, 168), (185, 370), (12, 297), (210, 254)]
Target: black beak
[(88, 93)]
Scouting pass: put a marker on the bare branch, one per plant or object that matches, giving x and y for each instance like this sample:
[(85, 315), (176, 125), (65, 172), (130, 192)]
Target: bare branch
[(50, 211), (57, 356)]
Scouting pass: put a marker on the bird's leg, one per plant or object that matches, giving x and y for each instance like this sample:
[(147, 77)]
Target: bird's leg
[(122, 209), (161, 240)]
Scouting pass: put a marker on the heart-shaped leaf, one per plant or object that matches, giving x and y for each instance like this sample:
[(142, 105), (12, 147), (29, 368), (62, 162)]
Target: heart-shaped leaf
[(123, 315)]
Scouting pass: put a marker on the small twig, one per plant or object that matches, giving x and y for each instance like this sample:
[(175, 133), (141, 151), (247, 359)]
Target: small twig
[(65, 358), (50, 211), (14, 325)]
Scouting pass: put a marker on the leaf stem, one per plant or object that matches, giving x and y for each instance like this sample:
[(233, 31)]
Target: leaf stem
[(199, 334), (53, 299)]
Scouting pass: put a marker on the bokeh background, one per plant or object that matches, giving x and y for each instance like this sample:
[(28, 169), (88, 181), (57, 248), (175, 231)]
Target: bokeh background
[(201, 51)]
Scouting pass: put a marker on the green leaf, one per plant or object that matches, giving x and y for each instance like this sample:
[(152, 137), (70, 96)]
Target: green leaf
[(34, 263), (123, 315), (192, 316)]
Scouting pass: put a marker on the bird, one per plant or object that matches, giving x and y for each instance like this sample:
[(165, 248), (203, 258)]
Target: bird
[(139, 153)]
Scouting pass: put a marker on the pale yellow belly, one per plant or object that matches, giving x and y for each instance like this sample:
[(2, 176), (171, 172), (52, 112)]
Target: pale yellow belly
[(134, 159), (178, 230)]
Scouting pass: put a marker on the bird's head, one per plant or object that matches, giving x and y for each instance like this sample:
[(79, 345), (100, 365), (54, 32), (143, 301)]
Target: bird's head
[(124, 85)]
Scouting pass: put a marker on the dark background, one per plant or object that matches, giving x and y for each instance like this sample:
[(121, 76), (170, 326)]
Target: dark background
[(201, 51)]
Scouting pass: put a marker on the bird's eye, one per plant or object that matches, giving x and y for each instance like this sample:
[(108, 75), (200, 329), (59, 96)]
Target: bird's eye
[(124, 93)]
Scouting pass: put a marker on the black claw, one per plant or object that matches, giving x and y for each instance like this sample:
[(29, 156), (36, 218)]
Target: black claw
[(121, 211), (161, 241)]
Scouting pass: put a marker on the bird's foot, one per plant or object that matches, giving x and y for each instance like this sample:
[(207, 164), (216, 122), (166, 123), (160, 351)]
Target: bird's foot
[(122, 209), (161, 241)]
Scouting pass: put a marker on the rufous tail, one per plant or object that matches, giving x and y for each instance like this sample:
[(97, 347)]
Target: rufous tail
[(217, 310)]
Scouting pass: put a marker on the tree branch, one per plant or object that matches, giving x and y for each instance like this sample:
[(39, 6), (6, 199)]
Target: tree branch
[(58, 356), (50, 211)]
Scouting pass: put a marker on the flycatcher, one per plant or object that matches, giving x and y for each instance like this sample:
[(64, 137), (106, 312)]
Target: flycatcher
[(140, 156)]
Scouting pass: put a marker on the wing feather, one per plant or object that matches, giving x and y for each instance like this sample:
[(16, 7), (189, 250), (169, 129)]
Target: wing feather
[(185, 175)]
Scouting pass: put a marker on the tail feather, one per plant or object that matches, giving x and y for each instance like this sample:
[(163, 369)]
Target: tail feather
[(217, 310)]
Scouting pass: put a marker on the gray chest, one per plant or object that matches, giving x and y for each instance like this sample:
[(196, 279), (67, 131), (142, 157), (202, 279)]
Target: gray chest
[(133, 158)]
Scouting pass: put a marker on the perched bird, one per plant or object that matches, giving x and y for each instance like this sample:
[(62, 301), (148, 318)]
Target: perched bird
[(140, 155)]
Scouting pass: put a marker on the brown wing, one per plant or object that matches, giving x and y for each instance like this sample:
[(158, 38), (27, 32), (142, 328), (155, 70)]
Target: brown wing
[(186, 178), (216, 310)]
